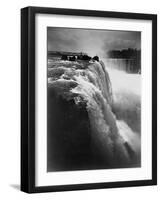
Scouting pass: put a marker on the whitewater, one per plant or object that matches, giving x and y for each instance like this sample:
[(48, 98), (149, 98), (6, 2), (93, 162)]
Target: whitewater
[(112, 100)]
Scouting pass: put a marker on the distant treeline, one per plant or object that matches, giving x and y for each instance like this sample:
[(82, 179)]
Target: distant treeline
[(71, 56), (79, 57), (129, 54), (61, 53)]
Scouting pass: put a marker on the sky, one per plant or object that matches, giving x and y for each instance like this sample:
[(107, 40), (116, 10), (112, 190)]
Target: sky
[(91, 41)]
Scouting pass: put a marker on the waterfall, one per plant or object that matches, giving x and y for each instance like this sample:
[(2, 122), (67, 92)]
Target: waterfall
[(127, 65), (95, 88), (114, 139)]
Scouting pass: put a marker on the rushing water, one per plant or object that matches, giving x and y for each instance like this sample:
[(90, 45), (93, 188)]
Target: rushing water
[(112, 100), (127, 65)]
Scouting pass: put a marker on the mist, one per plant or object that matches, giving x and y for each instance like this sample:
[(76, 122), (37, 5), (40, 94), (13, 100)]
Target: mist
[(92, 42)]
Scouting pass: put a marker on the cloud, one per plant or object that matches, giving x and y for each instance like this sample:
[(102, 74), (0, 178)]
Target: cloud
[(91, 41)]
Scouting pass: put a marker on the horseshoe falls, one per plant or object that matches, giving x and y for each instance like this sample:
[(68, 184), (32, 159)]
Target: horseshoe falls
[(93, 116)]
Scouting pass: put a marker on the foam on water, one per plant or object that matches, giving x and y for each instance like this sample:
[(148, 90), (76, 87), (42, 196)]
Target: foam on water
[(117, 142)]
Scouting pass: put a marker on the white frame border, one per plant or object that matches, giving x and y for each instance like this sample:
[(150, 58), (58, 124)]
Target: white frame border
[(91, 176)]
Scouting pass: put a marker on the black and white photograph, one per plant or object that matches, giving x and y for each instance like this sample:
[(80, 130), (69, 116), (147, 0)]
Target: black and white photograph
[(89, 99), (93, 99)]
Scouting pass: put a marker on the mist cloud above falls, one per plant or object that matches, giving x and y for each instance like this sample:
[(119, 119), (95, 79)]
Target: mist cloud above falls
[(93, 42)]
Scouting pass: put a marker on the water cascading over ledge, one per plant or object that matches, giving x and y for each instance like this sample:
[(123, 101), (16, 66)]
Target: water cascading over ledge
[(83, 130)]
